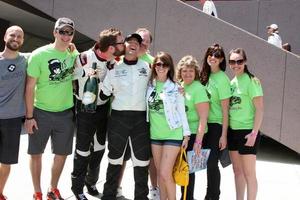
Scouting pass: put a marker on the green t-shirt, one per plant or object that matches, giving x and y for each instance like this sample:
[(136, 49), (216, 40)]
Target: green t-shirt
[(159, 127), (53, 70), (242, 110), (194, 93), (218, 88), (147, 58)]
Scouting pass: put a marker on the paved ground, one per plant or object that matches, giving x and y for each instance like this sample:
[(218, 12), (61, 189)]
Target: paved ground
[(278, 171)]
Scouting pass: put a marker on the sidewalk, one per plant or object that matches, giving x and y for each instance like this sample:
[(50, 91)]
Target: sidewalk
[(278, 180)]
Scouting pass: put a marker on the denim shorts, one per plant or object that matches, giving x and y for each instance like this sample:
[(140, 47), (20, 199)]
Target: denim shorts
[(176, 143)]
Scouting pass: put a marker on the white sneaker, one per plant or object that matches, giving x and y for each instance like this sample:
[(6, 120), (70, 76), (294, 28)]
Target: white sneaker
[(154, 193), (119, 192)]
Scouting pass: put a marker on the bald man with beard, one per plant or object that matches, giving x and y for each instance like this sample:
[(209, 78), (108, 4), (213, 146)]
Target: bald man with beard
[(12, 104)]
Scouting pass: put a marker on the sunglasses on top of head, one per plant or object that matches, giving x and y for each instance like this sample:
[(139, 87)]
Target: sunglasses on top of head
[(160, 64), (236, 62), (65, 32)]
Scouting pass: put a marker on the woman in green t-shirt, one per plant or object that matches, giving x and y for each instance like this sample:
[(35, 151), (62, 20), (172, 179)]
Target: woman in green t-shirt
[(169, 129), (217, 84), (196, 108), (245, 118)]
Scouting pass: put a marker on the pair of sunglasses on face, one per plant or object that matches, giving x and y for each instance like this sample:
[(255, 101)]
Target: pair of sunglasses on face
[(65, 32), (218, 55), (215, 54), (160, 64), (236, 62)]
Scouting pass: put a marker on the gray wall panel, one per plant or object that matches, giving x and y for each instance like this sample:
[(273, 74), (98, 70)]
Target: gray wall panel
[(243, 13), (290, 135), (44, 5), (92, 16), (254, 16)]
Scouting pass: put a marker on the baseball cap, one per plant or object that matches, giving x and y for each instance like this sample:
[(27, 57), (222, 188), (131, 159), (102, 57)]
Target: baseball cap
[(136, 36), (62, 22), (273, 26)]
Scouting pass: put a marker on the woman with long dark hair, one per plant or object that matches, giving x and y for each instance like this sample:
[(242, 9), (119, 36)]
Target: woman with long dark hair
[(217, 84), (245, 118)]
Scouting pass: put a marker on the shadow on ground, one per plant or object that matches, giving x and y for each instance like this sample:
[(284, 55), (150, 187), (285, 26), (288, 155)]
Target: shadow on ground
[(270, 150)]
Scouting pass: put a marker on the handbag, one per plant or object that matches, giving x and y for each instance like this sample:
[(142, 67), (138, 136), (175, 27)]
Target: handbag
[(224, 158), (181, 171)]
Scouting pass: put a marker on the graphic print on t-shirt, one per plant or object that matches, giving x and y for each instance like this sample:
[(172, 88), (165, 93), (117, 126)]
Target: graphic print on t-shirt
[(155, 103), (58, 71), (234, 99)]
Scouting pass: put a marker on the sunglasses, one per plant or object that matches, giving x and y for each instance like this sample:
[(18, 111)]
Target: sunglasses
[(159, 64), (236, 62), (215, 54), (68, 33)]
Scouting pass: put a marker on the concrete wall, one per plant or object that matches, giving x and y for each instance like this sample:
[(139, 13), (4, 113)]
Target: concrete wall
[(254, 16), (92, 16), (291, 111), (180, 30)]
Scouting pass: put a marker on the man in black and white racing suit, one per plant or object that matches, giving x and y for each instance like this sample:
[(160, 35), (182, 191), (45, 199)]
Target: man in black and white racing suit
[(92, 127), (128, 131)]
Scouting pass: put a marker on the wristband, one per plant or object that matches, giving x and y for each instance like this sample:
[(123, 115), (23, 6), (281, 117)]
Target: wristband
[(29, 118), (199, 142)]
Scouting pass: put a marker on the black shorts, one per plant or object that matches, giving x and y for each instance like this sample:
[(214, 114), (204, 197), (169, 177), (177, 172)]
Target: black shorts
[(10, 131), (236, 141)]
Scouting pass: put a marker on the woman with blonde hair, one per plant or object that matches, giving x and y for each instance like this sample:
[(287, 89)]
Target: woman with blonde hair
[(196, 107)]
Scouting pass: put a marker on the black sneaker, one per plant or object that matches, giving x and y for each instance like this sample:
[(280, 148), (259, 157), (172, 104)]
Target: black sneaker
[(92, 189), (80, 197)]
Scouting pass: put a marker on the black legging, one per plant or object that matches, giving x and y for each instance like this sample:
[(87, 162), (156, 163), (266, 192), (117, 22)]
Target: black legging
[(211, 141)]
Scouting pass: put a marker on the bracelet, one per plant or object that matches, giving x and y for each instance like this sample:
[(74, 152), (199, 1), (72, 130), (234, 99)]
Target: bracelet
[(199, 142), (254, 133), (29, 118)]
